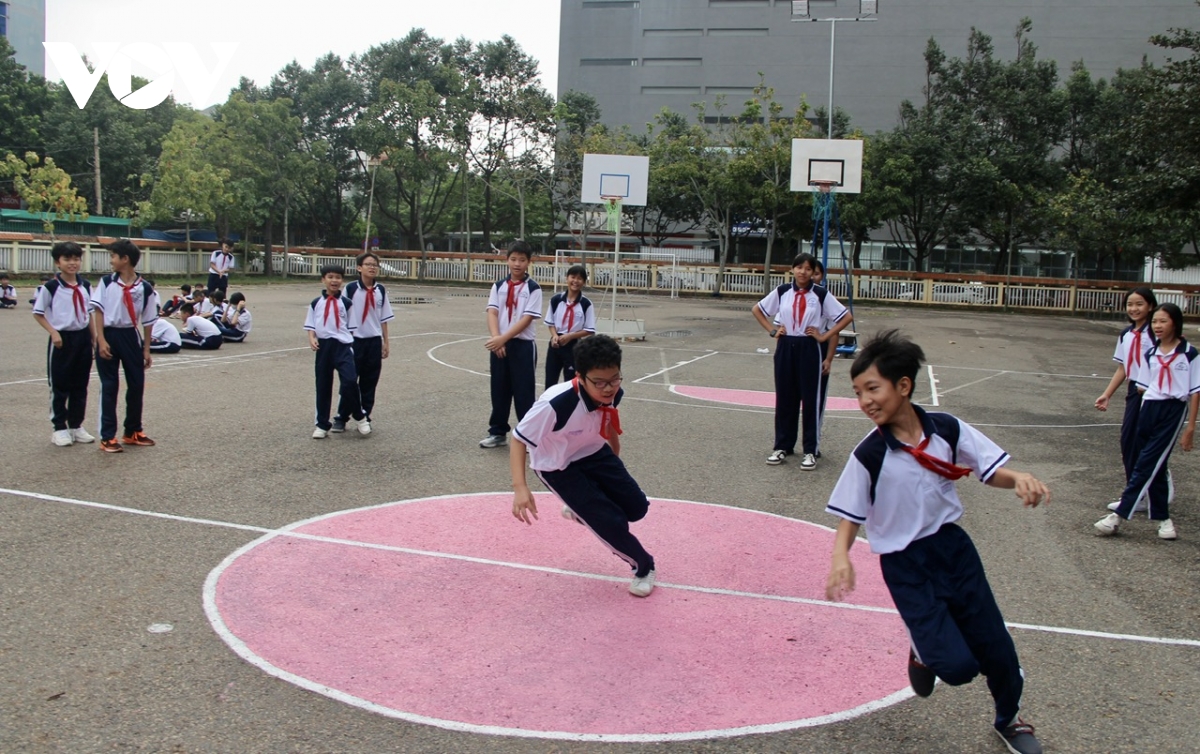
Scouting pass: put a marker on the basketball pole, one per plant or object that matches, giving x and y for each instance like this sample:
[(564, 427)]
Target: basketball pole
[(616, 262)]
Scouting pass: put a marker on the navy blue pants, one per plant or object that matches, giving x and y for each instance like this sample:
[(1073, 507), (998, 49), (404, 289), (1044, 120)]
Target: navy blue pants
[(217, 282), (162, 346), (126, 349), (230, 334), (560, 362), (942, 593), (514, 382), (191, 340), (334, 356), (68, 370), (797, 384), (368, 364), (600, 491), (1158, 427), (1129, 448)]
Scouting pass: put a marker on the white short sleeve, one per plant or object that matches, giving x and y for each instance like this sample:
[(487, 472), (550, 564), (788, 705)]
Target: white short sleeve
[(977, 452), (769, 305), (851, 496)]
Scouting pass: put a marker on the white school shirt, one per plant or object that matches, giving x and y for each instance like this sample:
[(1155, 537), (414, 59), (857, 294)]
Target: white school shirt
[(242, 320), (221, 261), (1132, 345), (562, 427), (370, 322), (567, 317), (528, 301), (900, 501), (7, 291), (65, 307), (330, 320), (1170, 376), (819, 305), (200, 327), (108, 298), (165, 332), (207, 307)]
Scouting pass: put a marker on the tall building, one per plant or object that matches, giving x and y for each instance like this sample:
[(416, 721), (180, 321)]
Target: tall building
[(23, 22), (638, 56)]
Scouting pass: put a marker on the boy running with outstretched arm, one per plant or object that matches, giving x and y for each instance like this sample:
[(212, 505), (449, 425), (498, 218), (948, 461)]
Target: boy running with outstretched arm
[(899, 482)]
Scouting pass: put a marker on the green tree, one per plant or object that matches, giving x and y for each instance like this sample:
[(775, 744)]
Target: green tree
[(24, 99), (46, 189)]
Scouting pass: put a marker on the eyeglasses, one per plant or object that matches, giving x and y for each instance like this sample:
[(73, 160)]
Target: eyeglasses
[(602, 384), (370, 264)]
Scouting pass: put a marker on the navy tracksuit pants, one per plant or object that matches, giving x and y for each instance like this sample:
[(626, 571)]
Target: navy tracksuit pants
[(69, 369), (1133, 405), (1158, 426), (368, 364), (599, 490), (126, 349), (514, 382), (797, 384), (334, 356), (560, 362), (942, 593), (191, 340), (217, 282)]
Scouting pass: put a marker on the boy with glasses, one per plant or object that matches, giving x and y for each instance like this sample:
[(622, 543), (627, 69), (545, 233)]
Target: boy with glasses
[(370, 303), (571, 437)]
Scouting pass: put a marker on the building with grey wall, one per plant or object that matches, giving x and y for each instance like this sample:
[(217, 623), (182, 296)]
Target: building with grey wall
[(639, 56), (23, 22)]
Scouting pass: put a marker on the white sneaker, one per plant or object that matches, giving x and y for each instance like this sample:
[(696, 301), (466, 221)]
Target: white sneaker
[(809, 463), (641, 586), (777, 457), (1139, 507), (493, 441), (320, 434), (1166, 530), (1108, 525), (62, 438), (569, 514), (364, 427), (81, 435)]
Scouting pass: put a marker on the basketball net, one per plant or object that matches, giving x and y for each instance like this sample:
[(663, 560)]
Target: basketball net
[(612, 212)]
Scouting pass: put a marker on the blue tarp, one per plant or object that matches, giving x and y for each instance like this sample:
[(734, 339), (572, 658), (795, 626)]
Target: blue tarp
[(181, 235)]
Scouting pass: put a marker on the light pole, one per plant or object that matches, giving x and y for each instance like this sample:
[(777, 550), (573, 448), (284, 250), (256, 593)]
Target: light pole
[(373, 163), (867, 10)]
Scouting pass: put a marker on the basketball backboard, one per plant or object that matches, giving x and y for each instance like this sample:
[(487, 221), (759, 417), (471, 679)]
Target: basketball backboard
[(624, 176), (827, 160)]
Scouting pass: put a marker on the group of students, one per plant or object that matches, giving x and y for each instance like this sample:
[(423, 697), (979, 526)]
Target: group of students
[(207, 321)]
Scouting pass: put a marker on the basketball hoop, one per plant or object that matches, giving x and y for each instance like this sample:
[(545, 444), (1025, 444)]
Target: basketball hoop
[(823, 186), (612, 212)]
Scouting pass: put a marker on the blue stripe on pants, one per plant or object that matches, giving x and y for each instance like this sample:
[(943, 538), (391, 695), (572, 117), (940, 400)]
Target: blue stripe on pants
[(1159, 425), (797, 385), (335, 356), (126, 348), (69, 369), (1129, 428), (368, 364)]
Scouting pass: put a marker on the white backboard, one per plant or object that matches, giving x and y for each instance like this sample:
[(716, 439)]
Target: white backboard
[(626, 176), (837, 160)]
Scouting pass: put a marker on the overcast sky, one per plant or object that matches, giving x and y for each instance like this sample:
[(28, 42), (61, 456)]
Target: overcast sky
[(269, 35)]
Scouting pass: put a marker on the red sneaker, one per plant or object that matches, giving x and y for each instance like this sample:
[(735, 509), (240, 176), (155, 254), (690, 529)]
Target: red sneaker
[(137, 438)]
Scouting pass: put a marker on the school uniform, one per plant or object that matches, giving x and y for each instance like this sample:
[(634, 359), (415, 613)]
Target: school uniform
[(164, 338), (68, 368), (236, 330), (565, 433), (513, 378), (798, 359), (329, 319), (173, 305), (199, 333), (125, 310), (8, 297), (929, 564), (222, 263), (566, 317), (207, 308), (372, 310), (1169, 380), (1132, 345)]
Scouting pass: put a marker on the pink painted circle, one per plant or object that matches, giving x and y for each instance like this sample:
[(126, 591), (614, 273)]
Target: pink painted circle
[(755, 398), (448, 611)]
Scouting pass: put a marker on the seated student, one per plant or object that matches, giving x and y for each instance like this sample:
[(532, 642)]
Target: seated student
[(198, 332), (8, 294), (164, 338), (235, 323), (214, 307), (38, 291), (172, 306), (199, 298)]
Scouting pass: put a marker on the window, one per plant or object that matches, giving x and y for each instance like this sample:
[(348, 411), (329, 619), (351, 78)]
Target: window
[(648, 62), (3, 19), (608, 61), (672, 32), (670, 90), (738, 32), (611, 3), (731, 91)]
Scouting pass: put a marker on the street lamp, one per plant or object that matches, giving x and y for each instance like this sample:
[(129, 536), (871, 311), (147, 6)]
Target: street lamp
[(373, 163), (867, 10)]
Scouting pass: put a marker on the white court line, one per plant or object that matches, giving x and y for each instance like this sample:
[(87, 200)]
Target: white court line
[(1027, 374), (676, 366), (429, 353), (975, 382), (287, 532), (933, 385)]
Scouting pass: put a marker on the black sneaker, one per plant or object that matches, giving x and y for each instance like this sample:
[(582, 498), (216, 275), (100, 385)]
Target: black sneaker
[(920, 677), (1019, 738), (339, 425)]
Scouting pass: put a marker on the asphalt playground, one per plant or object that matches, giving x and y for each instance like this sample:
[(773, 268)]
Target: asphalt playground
[(241, 587)]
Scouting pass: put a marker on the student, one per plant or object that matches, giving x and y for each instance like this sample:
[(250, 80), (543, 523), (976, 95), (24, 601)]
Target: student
[(570, 317), (371, 347), (61, 308), (219, 266), (199, 299), (235, 323), (8, 294), (38, 291), (515, 302), (172, 306), (572, 438), (899, 483), (121, 304), (164, 338), (1132, 344), (1170, 379), (198, 332), (330, 329), (831, 345), (214, 306), (800, 357)]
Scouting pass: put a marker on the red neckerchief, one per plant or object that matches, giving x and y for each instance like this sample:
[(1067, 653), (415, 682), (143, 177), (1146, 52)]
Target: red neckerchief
[(610, 417), (127, 294), (570, 313), (370, 299), (799, 304), (511, 301), (78, 303), (1135, 350), (1164, 370), (330, 301), (935, 464)]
